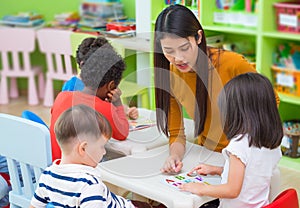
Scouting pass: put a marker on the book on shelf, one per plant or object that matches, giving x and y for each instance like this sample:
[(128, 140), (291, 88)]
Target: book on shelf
[(23, 19)]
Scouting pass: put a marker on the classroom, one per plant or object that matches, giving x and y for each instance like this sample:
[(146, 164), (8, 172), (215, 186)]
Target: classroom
[(191, 103)]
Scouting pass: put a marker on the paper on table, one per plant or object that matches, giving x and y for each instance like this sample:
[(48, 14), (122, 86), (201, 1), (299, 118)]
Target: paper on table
[(140, 124), (175, 180)]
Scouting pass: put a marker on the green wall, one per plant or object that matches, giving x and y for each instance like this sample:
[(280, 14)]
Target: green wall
[(46, 7), (50, 7)]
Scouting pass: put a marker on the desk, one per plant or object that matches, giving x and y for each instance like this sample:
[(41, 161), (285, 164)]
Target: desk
[(148, 138), (133, 43), (140, 173)]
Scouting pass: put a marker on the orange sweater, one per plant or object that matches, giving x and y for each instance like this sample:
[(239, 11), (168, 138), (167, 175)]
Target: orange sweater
[(183, 90)]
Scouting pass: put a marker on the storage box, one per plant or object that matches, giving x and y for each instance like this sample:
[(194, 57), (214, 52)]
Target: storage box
[(286, 80), (120, 26), (235, 18), (288, 16)]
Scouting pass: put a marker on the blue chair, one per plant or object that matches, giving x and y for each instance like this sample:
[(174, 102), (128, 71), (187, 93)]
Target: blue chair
[(26, 146), (33, 117)]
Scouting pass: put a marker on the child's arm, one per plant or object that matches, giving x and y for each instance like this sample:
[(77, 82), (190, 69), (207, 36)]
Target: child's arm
[(205, 169), (229, 190), (131, 112)]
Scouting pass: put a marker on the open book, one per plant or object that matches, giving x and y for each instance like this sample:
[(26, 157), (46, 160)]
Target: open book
[(140, 123)]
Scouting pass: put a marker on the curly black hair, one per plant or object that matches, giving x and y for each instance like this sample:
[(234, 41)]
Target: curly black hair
[(99, 63), (88, 46)]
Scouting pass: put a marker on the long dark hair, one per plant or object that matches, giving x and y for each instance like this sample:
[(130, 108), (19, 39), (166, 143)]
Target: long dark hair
[(248, 106), (177, 20)]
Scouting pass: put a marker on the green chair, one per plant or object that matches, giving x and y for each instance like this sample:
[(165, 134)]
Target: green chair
[(129, 89)]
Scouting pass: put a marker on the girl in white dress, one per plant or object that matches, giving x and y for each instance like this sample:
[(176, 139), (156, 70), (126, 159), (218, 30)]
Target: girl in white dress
[(252, 124)]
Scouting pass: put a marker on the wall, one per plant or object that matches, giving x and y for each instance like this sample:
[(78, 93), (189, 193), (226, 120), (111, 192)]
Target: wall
[(50, 7)]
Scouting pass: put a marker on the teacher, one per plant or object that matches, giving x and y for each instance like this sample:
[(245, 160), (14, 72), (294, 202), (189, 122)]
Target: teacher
[(190, 75)]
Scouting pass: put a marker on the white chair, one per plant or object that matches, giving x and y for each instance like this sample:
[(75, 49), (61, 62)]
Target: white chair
[(16, 45), (56, 45), (26, 146)]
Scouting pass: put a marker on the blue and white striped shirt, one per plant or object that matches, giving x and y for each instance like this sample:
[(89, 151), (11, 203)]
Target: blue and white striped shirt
[(74, 185)]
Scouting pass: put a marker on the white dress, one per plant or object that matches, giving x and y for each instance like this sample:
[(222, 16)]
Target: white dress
[(260, 163)]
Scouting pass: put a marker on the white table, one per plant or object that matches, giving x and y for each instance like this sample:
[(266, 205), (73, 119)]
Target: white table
[(148, 138), (140, 173)]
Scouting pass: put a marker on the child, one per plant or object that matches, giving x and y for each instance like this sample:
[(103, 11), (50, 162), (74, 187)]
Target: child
[(84, 51), (74, 180), (252, 125), (101, 74)]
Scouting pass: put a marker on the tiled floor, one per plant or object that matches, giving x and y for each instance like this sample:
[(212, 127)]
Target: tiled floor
[(290, 177)]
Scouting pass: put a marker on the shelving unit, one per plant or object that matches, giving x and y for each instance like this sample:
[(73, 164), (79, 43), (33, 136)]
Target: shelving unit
[(265, 38)]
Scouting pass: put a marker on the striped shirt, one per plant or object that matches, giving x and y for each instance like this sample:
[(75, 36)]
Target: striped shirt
[(74, 185)]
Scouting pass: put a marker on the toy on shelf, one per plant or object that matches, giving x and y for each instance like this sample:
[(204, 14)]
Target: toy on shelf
[(68, 19), (125, 28), (120, 26), (287, 56), (291, 130)]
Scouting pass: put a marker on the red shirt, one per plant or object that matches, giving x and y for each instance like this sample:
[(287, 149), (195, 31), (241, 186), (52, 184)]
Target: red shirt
[(66, 99)]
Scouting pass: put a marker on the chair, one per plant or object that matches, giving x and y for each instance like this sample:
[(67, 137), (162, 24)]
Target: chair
[(288, 198), (16, 45), (56, 45), (5, 176), (26, 144), (33, 117), (129, 89)]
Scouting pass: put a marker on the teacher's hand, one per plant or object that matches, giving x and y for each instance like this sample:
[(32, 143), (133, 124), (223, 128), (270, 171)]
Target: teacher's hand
[(173, 164)]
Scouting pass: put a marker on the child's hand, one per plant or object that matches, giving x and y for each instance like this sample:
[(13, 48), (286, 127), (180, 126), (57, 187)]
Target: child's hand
[(132, 113), (195, 188), (114, 97), (205, 169)]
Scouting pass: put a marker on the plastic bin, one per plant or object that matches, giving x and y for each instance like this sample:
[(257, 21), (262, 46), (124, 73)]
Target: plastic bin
[(286, 80), (288, 16)]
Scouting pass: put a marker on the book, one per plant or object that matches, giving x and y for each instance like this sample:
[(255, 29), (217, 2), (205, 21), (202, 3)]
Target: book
[(26, 19), (140, 123), (175, 180)]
